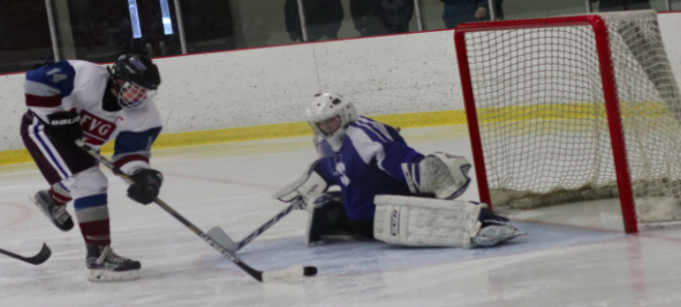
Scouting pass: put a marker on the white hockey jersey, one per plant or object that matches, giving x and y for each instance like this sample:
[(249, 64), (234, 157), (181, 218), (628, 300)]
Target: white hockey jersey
[(78, 86)]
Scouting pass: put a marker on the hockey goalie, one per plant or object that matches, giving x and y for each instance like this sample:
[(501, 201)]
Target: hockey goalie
[(388, 191)]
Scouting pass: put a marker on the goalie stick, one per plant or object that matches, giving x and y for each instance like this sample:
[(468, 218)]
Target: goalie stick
[(221, 237), (39, 258), (262, 276)]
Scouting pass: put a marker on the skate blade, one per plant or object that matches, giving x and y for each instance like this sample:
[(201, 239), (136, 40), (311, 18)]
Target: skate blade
[(515, 235), (511, 237), (499, 240), (110, 276)]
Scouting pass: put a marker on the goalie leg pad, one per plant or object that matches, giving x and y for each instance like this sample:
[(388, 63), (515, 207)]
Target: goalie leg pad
[(416, 221), (439, 173)]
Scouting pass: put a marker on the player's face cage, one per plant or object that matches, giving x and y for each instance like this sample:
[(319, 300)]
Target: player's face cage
[(132, 95)]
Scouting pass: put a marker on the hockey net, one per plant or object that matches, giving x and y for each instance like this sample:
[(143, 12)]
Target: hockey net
[(572, 109)]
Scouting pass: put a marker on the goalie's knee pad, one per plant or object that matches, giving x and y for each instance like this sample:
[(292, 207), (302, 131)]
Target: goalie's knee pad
[(417, 221), (439, 173)]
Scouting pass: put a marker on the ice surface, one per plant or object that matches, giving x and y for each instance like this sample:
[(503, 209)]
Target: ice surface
[(574, 255)]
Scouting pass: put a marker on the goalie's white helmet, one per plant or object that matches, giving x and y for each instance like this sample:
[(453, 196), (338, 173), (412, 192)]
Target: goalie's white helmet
[(329, 115)]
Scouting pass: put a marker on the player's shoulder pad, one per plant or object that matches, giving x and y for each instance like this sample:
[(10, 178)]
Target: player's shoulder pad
[(59, 75)]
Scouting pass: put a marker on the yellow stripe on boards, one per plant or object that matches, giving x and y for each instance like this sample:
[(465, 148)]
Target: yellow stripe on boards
[(274, 131), (407, 120), (14, 156)]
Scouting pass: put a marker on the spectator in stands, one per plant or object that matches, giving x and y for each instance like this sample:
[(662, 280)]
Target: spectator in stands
[(104, 24), (380, 17), (322, 17), (460, 11), (622, 5)]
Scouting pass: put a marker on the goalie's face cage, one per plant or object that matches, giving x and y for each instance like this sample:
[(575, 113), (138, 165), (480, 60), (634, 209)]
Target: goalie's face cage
[(328, 126), (132, 95)]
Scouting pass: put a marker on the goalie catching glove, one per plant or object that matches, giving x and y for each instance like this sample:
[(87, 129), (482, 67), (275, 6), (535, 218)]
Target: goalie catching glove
[(308, 187), (146, 186)]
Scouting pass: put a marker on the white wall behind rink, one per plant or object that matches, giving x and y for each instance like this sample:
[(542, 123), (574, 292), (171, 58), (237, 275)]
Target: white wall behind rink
[(383, 75)]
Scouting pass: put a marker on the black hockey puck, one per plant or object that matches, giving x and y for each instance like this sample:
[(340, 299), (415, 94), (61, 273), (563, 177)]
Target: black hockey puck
[(310, 271)]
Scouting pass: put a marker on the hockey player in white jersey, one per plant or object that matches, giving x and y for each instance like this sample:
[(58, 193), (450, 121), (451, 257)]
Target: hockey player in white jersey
[(389, 191), (75, 99)]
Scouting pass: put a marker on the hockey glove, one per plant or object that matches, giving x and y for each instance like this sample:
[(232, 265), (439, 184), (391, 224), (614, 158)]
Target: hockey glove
[(146, 187), (63, 127), (309, 187)]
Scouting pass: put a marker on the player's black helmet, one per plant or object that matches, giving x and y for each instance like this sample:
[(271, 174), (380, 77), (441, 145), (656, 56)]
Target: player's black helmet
[(140, 79), (137, 69)]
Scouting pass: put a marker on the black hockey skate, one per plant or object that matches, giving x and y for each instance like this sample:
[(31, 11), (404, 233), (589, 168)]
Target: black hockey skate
[(105, 265), (57, 214)]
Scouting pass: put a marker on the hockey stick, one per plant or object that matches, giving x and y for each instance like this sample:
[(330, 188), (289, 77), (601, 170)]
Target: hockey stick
[(221, 237), (39, 258), (262, 276)]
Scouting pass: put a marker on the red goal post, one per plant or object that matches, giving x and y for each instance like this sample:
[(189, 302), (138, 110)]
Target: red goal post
[(573, 108)]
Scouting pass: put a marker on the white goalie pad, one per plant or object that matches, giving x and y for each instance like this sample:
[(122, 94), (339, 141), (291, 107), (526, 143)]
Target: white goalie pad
[(310, 186), (439, 173), (417, 221)]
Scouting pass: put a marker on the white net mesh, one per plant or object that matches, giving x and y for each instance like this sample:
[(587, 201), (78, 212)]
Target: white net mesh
[(543, 126)]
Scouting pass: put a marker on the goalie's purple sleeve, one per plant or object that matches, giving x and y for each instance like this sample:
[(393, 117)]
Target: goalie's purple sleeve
[(368, 164)]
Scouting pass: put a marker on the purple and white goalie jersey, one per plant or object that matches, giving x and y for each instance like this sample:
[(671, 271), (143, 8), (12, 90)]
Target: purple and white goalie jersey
[(367, 164)]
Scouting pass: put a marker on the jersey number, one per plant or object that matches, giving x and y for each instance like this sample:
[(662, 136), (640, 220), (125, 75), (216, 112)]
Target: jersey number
[(340, 168), (55, 76)]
